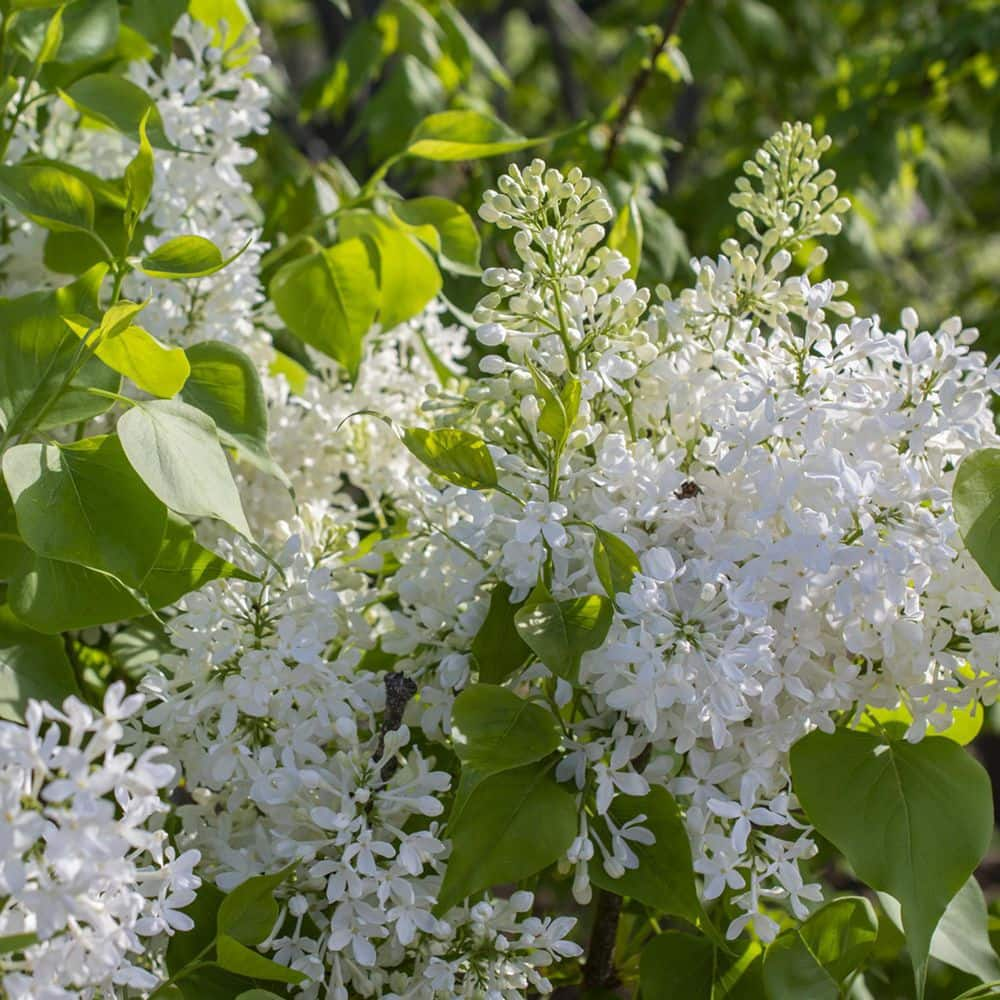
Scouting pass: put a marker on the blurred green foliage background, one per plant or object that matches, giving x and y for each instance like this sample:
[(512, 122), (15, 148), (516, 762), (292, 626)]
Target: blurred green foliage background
[(908, 90)]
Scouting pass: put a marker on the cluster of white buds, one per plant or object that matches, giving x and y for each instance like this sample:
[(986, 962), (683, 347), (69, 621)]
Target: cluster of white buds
[(796, 199)]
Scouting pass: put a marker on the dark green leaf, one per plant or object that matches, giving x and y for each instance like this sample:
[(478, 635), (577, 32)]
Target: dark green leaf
[(890, 808), (31, 666), (498, 649), (89, 29), (183, 565), (224, 384), (16, 942), (120, 104), (36, 355), (249, 912), (961, 937), (560, 632), (676, 964), (495, 730), (514, 824), (817, 957), (184, 948), (236, 957), (664, 879)]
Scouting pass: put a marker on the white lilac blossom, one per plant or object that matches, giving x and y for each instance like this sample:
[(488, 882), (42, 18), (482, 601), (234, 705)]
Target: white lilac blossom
[(324, 448), (209, 106), (781, 470), (293, 752), (86, 872)]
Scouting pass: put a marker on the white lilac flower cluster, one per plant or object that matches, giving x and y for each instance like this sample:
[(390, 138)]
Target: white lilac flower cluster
[(209, 105), (323, 448), (86, 876), (781, 470), (293, 750)]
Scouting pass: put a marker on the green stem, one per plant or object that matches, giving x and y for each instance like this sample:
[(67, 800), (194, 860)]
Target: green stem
[(22, 103), (192, 966)]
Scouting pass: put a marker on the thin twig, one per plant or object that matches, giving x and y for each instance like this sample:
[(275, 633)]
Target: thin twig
[(642, 78)]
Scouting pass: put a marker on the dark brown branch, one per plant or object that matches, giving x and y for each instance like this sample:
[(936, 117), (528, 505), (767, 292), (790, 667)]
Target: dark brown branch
[(599, 972), (399, 689), (642, 78)]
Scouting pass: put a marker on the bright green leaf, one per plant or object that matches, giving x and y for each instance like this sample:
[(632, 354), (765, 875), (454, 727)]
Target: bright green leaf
[(52, 38), (229, 16), (139, 176), (407, 277), (559, 410), (54, 596), (329, 300), (514, 824), (494, 730), (976, 496), (446, 228), (963, 729), (183, 257), (455, 455), (135, 353), (615, 561), (83, 503), (53, 198), (175, 449), (626, 235), (152, 366), (464, 135)]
